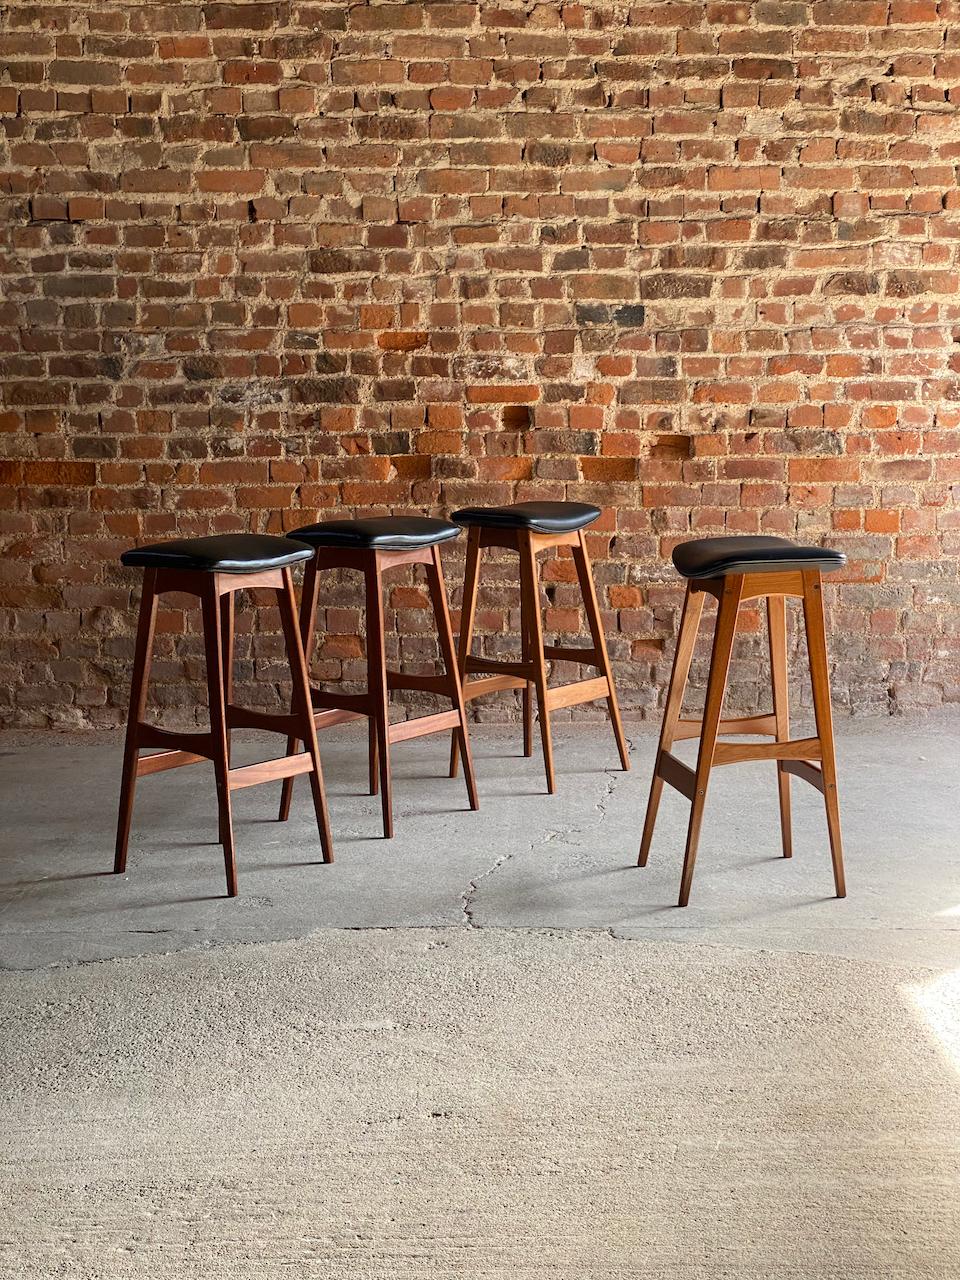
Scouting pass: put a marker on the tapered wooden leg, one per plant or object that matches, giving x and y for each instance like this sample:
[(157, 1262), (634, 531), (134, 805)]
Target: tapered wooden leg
[(527, 693), (820, 680), (441, 611), (373, 756), (530, 589), (468, 610), (308, 632), (683, 656), (377, 688), (777, 630), (716, 688), (146, 624), (588, 590), (227, 614), (210, 603), (302, 707)]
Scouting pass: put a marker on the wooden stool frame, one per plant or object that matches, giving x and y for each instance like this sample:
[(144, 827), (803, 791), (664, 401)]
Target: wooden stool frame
[(216, 594), (374, 705), (530, 674), (812, 759)]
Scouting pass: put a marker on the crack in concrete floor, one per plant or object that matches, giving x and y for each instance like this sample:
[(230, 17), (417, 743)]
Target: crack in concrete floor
[(470, 893)]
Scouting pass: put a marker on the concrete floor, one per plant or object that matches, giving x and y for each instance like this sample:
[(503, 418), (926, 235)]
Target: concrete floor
[(470, 1104), (525, 859), (491, 1047)]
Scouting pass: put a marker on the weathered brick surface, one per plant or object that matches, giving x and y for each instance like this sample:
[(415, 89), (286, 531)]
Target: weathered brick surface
[(694, 260)]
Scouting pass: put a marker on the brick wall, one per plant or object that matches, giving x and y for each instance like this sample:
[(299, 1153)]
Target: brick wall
[(694, 261)]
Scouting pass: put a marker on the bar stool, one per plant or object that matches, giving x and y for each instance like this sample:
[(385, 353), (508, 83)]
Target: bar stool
[(733, 570), (373, 546), (214, 569), (529, 528)]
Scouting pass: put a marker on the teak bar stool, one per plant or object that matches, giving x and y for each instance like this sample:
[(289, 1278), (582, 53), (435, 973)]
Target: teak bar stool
[(214, 569), (529, 528), (734, 570), (373, 546)]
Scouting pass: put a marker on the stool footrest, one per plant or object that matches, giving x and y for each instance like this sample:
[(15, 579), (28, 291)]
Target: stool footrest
[(798, 749), (274, 722), (327, 719), (737, 725), (571, 695), (421, 725), (323, 701), (492, 666), (160, 761), (491, 684), (399, 731), (808, 772), (585, 657), (269, 770), (148, 735), (442, 685), (679, 775)]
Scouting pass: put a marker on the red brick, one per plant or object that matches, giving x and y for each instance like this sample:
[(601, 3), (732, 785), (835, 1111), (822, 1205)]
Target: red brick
[(241, 181), (59, 473), (241, 17), (184, 47), (881, 521), (251, 71), (745, 178), (297, 99), (84, 207), (402, 341), (449, 99), (46, 207), (503, 395)]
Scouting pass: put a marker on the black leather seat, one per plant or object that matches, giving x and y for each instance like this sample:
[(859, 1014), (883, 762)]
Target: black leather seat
[(381, 533), (542, 517), (716, 557), (220, 553)]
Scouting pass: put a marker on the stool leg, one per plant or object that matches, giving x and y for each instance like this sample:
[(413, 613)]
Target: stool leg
[(710, 726), (308, 631), (683, 656), (212, 622), (777, 631), (530, 595), (820, 680), (377, 688), (441, 610), (468, 610), (146, 624), (373, 756), (226, 646), (588, 590), (526, 695), (302, 707)]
